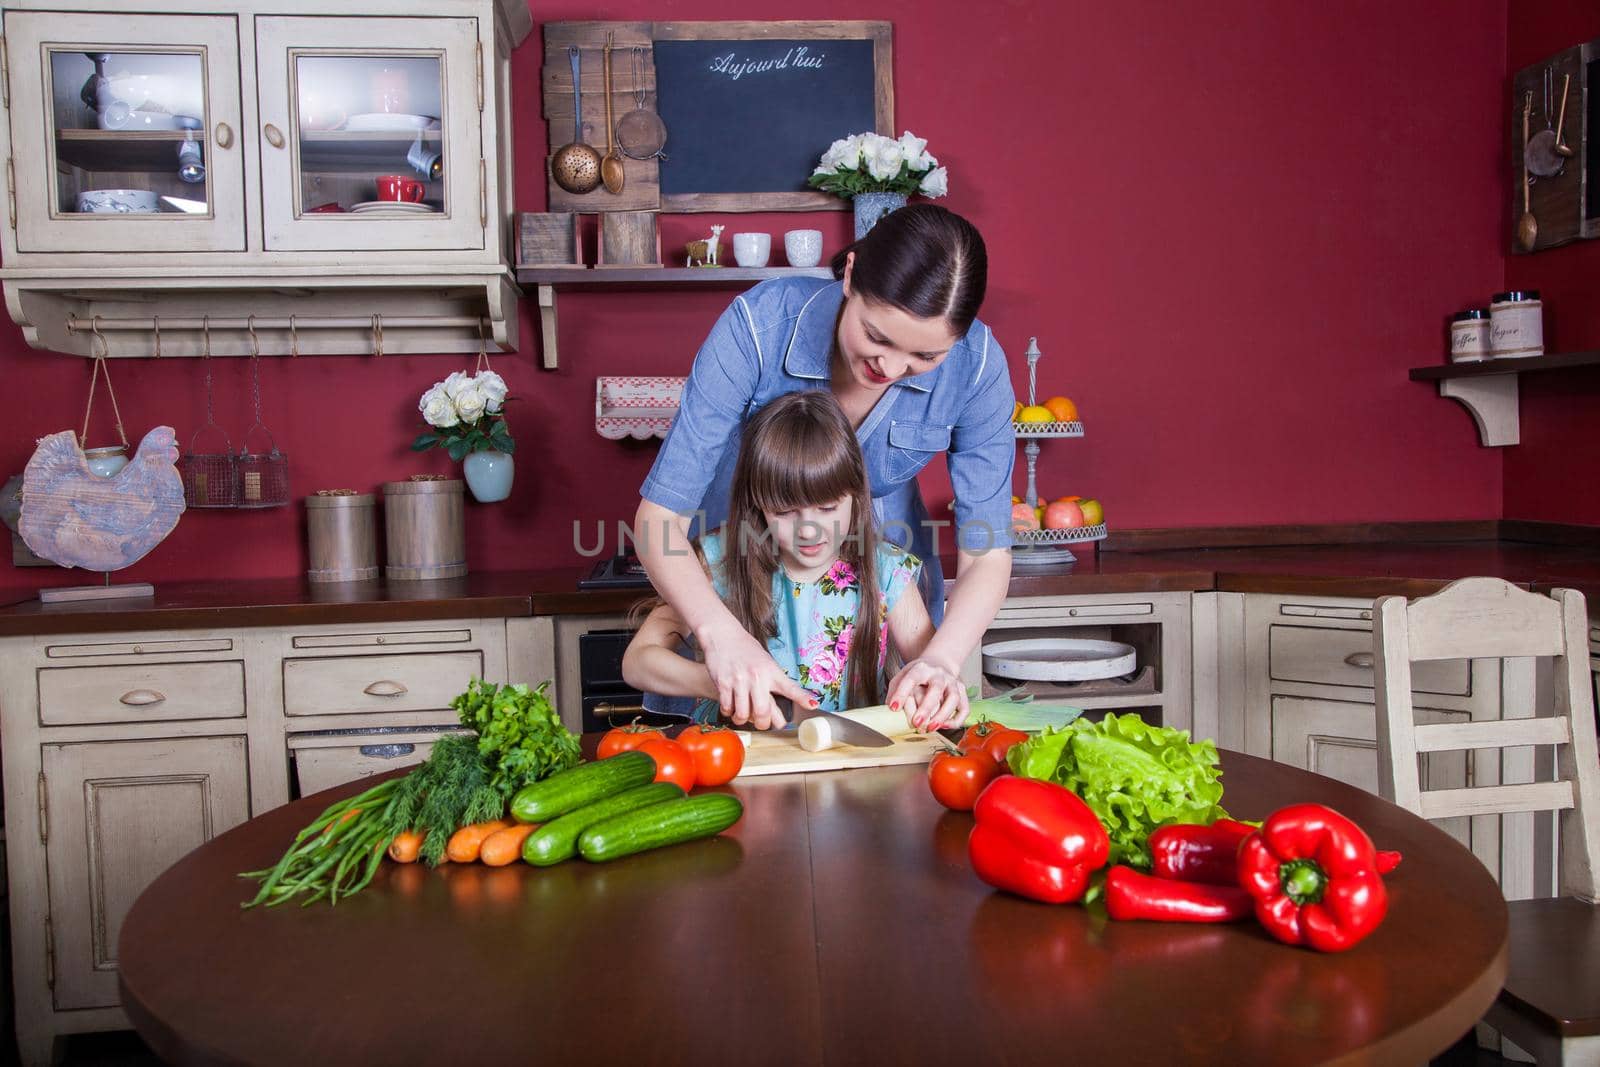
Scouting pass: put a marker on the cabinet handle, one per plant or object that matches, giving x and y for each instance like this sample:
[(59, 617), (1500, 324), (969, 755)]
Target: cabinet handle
[(139, 698), (1360, 659), (483, 195), (405, 748), (224, 135), (274, 135), (385, 688), (606, 711)]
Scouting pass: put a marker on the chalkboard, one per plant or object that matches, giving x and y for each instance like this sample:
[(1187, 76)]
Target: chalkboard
[(755, 116)]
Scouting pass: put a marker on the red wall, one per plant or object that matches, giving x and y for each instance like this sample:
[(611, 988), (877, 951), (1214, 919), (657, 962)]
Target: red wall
[(1232, 231), (1558, 408)]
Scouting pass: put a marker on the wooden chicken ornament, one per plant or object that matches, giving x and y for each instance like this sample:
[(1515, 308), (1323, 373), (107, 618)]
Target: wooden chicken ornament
[(76, 518)]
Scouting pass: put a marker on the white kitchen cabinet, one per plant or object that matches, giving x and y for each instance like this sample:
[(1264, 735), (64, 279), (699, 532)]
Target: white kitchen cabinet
[(223, 163)]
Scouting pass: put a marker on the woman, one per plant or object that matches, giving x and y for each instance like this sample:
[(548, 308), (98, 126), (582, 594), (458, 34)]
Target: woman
[(897, 339)]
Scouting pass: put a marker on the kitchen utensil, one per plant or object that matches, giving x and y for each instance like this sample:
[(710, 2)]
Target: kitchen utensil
[(388, 122), (640, 132), (263, 476), (610, 164), (209, 478), (752, 249), (1527, 225), (776, 753), (1563, 149), (818, 730), (576, 166), (119, 202), (1058, 659), (1540, 153)]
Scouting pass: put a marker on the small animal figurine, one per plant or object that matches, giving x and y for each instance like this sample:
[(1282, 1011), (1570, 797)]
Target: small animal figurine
[(711, 246), (76, 518), (704, 253)]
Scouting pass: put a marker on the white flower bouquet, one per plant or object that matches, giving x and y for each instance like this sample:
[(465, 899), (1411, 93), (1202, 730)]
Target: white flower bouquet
[(467, 413), (873, 163)]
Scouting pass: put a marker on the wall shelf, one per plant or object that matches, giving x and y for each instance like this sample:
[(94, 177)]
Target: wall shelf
[(550, 280), (1488, 389)]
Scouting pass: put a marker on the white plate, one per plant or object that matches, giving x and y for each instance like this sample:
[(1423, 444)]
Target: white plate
[(1059, 659), (380, 121), (392, 207)]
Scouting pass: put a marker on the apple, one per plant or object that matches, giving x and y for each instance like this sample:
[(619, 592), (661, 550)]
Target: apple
[(1063, 515), (1023, 517), (1093, 513)]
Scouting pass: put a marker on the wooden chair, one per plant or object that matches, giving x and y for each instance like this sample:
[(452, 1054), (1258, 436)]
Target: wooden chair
[(1550, 1005)]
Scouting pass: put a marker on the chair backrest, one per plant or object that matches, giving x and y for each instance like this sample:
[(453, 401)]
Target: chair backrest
[(1486, 618)]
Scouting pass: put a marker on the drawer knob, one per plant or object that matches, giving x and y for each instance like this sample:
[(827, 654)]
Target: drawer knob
[(139, 698), (385, 688), (1360, 659)]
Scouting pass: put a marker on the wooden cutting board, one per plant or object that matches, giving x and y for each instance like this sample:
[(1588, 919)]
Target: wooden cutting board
[(781, 754)]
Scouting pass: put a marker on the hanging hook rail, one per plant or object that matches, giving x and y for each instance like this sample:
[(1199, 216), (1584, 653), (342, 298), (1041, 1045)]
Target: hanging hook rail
[(286, 322)]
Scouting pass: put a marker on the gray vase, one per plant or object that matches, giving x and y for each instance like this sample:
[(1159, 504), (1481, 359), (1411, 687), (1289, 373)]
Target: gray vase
[(870, 207), (488, 475)]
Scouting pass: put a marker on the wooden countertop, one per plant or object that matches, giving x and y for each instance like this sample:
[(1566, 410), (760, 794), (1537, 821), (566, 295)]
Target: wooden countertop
[(1360, 569)]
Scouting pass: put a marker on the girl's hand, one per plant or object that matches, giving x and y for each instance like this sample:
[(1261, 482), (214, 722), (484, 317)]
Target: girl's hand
[(930, 693), (746, 677)]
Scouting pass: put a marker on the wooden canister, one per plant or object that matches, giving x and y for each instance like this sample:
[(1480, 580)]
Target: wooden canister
[(425, 528), (342, 537)]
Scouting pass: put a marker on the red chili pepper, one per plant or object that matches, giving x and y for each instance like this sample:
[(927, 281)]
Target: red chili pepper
[(1132, 895), (1193, 853), (1314, 876), (1036, 839)]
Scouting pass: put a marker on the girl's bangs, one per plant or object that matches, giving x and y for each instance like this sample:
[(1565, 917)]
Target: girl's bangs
[(805, 469)]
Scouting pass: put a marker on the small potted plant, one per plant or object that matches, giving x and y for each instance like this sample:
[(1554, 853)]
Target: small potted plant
[(879, 173), (466, 413)]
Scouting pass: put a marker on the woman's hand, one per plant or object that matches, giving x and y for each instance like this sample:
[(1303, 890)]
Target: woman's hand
[(930, 692), (747, 677)]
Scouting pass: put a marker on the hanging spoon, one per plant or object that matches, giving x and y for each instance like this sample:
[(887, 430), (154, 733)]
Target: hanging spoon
[(576, 166), (1527, 225), (611, 172), (1563, 149)]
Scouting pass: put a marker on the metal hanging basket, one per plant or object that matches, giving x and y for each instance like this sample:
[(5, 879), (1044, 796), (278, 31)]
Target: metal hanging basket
[(209, 478), (263, 476)]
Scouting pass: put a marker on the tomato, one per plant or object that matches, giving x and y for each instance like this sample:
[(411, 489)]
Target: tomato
[(957, 778), (990, 737), (626, 739), (673, 762), (717, 752)]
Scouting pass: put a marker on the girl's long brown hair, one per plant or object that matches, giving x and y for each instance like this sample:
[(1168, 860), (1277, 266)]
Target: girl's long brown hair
[(801, 451)]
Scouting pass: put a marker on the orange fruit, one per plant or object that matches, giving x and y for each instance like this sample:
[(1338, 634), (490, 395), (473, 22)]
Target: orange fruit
[(1069, 499), (1061, 409), (1036, 413), (1016, 412)]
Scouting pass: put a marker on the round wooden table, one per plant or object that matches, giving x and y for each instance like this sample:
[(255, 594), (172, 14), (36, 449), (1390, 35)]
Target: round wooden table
[(839, 921)]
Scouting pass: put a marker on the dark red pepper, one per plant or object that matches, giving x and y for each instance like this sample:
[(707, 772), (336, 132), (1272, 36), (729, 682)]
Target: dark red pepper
[(1036, 839), (1132, 895), (1193, 853), (1314, 876)]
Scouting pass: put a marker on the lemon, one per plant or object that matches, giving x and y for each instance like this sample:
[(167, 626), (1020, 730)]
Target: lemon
[(1035, 413)]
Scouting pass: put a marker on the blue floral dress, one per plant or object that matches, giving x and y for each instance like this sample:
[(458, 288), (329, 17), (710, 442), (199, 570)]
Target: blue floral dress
[(816, 620)]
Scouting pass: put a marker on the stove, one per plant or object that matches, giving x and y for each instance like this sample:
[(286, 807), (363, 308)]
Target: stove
[(618, 572)]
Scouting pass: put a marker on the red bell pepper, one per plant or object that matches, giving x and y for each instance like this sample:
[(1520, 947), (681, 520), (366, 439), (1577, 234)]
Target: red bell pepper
[(1133, 895), (1314, 876), (1193, 853), (1036, 839)]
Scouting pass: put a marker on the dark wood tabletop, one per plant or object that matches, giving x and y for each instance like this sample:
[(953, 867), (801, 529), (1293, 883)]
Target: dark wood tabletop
[(838, 921)]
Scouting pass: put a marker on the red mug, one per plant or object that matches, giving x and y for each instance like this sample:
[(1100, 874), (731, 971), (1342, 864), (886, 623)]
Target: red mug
[(400, 188)]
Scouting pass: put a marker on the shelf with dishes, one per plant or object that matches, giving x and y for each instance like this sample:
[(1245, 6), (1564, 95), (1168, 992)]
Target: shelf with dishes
[(337, 149), (120, 150)]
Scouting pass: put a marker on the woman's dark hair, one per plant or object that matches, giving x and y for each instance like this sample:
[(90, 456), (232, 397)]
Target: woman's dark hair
[(923, 259)]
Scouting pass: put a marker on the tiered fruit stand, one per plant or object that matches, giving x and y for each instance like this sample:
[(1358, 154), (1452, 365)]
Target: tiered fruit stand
[(1045, 548)]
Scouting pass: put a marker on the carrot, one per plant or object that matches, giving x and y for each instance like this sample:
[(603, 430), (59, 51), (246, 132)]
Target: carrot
[(341, 820), (465, 843), (505, 846), (405, 846)]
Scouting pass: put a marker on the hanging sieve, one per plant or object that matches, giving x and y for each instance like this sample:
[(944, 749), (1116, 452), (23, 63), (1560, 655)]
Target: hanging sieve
[(263, 476), (209, 479), (640, 133)]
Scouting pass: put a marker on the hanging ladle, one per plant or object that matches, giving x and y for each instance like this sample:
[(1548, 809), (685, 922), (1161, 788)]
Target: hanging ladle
[(1527, 225), (1563, 149), (611, 163), (576, 166)]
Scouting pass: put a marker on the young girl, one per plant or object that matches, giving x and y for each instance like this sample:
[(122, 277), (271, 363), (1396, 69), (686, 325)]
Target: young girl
[(802, 568)]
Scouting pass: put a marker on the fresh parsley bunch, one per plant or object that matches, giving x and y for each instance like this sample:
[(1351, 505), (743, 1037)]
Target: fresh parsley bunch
[(520, 736)]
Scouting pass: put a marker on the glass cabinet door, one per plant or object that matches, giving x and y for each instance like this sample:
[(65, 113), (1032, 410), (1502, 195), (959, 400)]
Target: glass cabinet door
[(371, 133), (125, 132)]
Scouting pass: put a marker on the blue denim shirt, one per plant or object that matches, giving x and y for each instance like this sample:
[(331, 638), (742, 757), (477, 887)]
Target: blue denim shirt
[(777, 338)]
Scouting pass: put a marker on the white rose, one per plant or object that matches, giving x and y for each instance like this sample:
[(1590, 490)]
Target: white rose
[(470, 403), (935, 183), (437, 409), (493, 388), (884, 159), (834, 157), (453, 385), (915, 149)]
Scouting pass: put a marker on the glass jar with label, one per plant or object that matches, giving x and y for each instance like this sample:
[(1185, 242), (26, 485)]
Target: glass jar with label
[(1516, 324), (1469, 335)]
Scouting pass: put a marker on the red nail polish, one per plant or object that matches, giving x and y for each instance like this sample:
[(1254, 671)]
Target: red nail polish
[(894, 705)]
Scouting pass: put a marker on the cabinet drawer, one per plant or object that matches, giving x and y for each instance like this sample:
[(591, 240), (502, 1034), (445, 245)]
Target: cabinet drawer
[(422, 681), (324, 761), (1326, 656), (1062, 612), (141, 692)]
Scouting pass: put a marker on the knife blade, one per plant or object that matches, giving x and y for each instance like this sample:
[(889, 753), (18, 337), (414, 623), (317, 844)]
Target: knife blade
[(848, 731)]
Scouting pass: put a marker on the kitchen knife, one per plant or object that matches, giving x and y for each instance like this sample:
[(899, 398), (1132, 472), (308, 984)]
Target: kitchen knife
[(845, 731)]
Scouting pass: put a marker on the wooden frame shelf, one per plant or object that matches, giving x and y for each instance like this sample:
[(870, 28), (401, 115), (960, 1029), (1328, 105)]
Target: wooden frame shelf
[(577, 278), (1488, 389)]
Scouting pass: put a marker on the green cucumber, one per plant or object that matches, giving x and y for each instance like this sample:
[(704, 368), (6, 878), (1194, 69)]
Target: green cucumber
[(557, 840), (581, 785), (671, 822)]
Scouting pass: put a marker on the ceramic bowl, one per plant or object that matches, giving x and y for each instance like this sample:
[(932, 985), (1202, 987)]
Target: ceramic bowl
[(119, 202)]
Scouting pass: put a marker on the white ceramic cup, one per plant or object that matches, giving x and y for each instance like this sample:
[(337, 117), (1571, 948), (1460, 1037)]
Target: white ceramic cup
[(752, 249), (803, 247)]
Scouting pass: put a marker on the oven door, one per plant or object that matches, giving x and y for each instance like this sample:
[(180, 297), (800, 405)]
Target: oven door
[(610, 701)]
